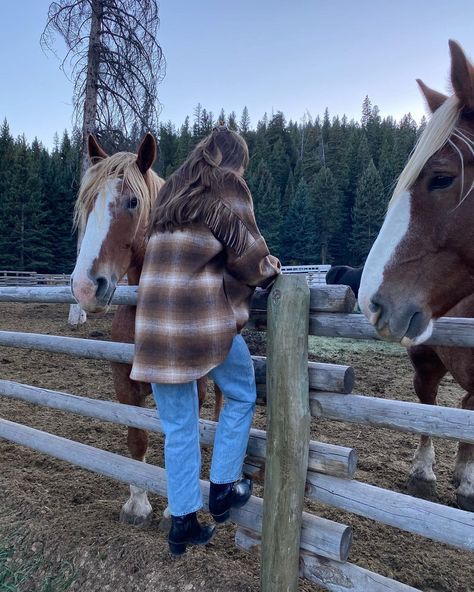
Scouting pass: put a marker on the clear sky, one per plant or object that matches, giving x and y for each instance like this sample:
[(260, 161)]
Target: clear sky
[(294, 56)]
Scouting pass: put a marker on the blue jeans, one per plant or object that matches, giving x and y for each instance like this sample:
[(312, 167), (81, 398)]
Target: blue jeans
[(178, 408)]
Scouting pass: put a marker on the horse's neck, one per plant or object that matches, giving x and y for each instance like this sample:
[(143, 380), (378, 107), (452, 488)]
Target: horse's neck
[(136, 265), (138, 255)]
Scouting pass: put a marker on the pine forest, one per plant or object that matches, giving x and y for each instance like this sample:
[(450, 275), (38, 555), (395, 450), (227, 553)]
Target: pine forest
[(320, 186)]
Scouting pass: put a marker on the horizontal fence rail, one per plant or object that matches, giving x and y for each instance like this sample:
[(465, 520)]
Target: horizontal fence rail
[(448, 331), (329, 574), (326, 458), (321, 376), (318, 535), (403, 416), (438, 522), (325, 300), (322, 299), (435, 521)]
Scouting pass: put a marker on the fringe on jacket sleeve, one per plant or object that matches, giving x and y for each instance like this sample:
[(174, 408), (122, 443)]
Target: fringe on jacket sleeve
[(228, 227)]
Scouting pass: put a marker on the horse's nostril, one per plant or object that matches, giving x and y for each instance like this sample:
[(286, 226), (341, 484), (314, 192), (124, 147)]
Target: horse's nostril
[(378, 311), (374, 307), (102, 287), (375, 304)]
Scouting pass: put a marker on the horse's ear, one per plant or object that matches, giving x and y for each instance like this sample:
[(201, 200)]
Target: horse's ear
[(433, 98), (462, 75), (96, 152), (146, 153)]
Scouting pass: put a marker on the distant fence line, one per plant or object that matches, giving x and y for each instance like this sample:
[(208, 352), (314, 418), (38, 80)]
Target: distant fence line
[(315, 275)]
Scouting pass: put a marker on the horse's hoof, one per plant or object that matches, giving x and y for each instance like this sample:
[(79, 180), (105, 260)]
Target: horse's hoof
[(165, 523), (134, 519), (421, 488), (465, 502)]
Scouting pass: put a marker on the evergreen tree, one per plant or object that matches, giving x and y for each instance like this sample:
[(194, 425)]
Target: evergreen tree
[(185, 142), (244, 124), (288, 195), (368, 212), (298, 232), (267, 207), (366, 111), (279, 165), (197, 130), (387, 167), (326, 205), (232, 121), (207, 122), (61, 192), (167, 161)]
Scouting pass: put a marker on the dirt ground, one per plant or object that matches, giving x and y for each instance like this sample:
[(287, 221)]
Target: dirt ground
[(59, 527)]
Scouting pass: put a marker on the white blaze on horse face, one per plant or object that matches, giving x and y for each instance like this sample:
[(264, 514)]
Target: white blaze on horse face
[(97, 229), (391, 234)]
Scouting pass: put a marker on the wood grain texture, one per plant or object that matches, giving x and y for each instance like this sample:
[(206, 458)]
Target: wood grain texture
[(331, 575), (441, 523), (403, 416), (288, 429)]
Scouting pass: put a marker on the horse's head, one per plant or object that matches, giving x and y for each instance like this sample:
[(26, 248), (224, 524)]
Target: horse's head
[(422, 262), (111, 213)]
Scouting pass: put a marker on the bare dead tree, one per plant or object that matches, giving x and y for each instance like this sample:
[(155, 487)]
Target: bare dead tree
[(113, 60)]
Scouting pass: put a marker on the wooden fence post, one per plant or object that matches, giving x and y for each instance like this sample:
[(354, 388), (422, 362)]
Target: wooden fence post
[(288, 432)]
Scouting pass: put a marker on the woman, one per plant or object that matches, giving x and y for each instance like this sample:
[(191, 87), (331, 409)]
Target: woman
[(204, 258)]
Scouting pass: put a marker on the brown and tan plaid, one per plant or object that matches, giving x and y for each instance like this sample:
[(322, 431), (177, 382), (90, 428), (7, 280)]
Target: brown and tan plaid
[(195, 291)]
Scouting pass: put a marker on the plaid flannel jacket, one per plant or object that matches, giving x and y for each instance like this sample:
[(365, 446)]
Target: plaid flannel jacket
[(195, 291)]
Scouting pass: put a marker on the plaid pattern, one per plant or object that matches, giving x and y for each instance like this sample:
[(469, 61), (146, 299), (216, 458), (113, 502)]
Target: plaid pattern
[(194, 295)]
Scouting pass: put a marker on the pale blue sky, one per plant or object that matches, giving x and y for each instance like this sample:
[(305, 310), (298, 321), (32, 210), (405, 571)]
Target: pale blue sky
[(267, 54)]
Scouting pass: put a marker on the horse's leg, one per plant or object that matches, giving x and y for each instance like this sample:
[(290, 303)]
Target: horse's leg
[(464, 470), (137, 509), (218, 398), (202, 388), (429, 370)]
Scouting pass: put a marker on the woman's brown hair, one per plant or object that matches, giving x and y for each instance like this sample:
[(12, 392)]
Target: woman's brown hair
[(195, 189)]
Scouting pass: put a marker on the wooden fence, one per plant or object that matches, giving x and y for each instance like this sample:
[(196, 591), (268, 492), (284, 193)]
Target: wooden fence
[(314, 274), (294, 465), (32, 278)]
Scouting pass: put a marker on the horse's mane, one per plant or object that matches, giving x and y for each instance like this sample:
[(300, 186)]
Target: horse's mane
[(121, 165), (438, 131)]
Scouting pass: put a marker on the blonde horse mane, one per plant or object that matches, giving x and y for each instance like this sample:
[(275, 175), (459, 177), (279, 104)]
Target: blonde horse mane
[(437, 133), (121, 165)]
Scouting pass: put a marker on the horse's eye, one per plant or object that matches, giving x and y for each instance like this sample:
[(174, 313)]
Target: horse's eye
[(440, 182), (132, 203)]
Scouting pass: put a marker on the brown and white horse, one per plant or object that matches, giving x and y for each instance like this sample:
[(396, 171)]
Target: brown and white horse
[(422, 262), (112, 212)]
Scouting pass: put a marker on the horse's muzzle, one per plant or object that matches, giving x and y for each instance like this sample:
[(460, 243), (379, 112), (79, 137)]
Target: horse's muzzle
[(406, 322), (94, 294)]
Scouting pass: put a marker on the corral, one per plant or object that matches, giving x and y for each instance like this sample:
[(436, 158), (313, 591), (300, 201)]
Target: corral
[(377, 552)]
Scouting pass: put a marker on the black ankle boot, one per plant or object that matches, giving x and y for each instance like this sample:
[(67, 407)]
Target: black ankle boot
[(186, 530), (224, 496)]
